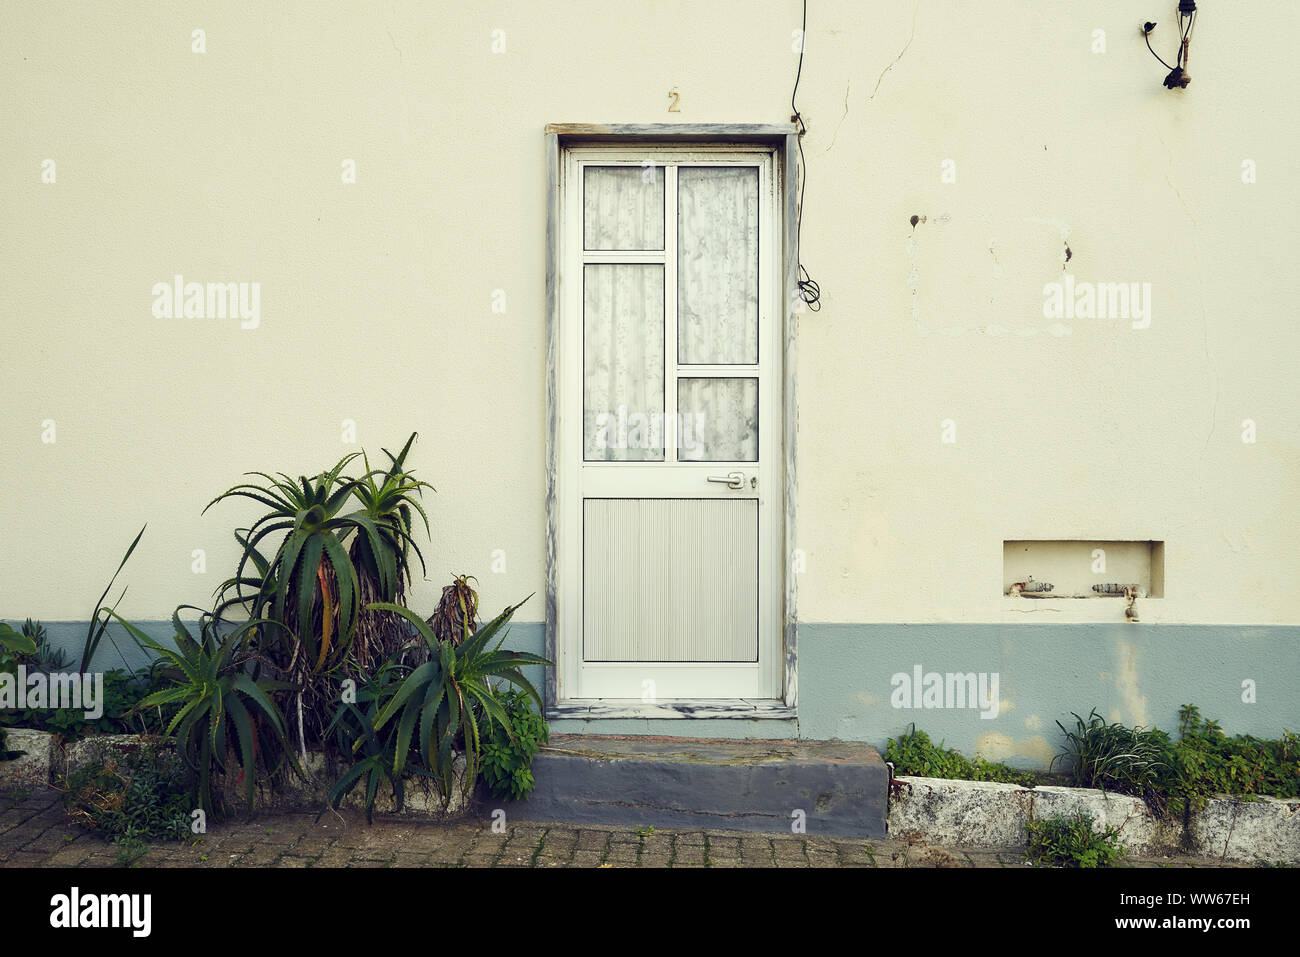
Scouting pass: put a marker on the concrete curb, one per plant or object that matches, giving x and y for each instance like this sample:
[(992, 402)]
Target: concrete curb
[(31, 769), (986, 814)]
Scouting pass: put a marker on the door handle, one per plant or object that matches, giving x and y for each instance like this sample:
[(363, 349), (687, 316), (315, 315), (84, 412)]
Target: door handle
[(731, 479)]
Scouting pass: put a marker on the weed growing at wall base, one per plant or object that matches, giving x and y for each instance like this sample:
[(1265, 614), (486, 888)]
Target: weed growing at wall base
[(140, 796), (1072, 841), (1176, 779), (914, 754), (507, 759), (37, 693), (1116, 758)]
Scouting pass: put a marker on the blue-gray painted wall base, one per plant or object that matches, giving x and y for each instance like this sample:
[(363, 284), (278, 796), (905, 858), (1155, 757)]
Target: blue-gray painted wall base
[(1134, 673)]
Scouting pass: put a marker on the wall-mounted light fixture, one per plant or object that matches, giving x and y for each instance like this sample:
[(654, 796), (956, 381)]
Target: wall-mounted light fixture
[(1178, 76)]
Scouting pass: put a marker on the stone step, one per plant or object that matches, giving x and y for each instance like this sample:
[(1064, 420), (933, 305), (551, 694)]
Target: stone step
[(841, 787)]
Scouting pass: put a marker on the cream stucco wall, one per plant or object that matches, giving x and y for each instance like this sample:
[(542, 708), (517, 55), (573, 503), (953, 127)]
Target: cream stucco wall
[(376, 297)]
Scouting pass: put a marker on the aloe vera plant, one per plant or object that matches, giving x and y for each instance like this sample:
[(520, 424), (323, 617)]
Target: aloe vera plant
[(222, 709), (391, 504), (375, 751), (316, 591), (381, 562), (330, 563), (439, 704), (311, 569)]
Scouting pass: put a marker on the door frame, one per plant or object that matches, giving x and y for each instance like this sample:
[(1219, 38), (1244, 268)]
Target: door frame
[(782, 141)]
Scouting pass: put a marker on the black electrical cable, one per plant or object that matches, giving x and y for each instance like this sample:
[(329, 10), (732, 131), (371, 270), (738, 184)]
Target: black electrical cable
[(1184, 33), (1146, 35), (809, 291)]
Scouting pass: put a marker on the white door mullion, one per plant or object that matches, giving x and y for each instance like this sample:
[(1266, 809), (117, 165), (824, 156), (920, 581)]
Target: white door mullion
[(633, 256), (670, 314), (720, 371)]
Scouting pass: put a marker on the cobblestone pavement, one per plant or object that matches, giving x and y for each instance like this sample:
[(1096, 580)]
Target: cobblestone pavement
[(35, 833)]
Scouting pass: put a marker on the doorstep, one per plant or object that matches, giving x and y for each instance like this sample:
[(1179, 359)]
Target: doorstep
[(838, 788)]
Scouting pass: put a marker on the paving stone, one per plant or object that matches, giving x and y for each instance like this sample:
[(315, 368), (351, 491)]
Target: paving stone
[(334, 857), (262, 855), (352, 838), (34, 832), (274, 836), (70, 856), (486, 841), (857, 854), (12, 818), (47, 842), (447, 853), (689, 854), (657, 844), (528, 833), (788, 851), (593, 839), (412, 859)]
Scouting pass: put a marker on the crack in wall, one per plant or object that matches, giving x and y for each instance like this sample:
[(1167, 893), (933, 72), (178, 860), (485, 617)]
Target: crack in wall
[(847, 86), (880, 78)]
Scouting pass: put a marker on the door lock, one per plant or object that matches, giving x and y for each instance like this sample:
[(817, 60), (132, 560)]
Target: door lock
[(732, 480)]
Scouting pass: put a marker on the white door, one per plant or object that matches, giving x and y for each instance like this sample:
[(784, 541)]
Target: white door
[(670, 481)]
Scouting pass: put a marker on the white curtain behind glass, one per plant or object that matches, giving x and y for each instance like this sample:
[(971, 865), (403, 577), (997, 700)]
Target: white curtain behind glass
[(623, 362), (719, 419), (717, 264), (623, 207)]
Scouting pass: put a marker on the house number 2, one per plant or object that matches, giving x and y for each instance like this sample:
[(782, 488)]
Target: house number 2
[(675, 96)]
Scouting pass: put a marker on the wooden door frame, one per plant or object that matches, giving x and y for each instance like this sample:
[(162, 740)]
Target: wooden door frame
[(782, 139)]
